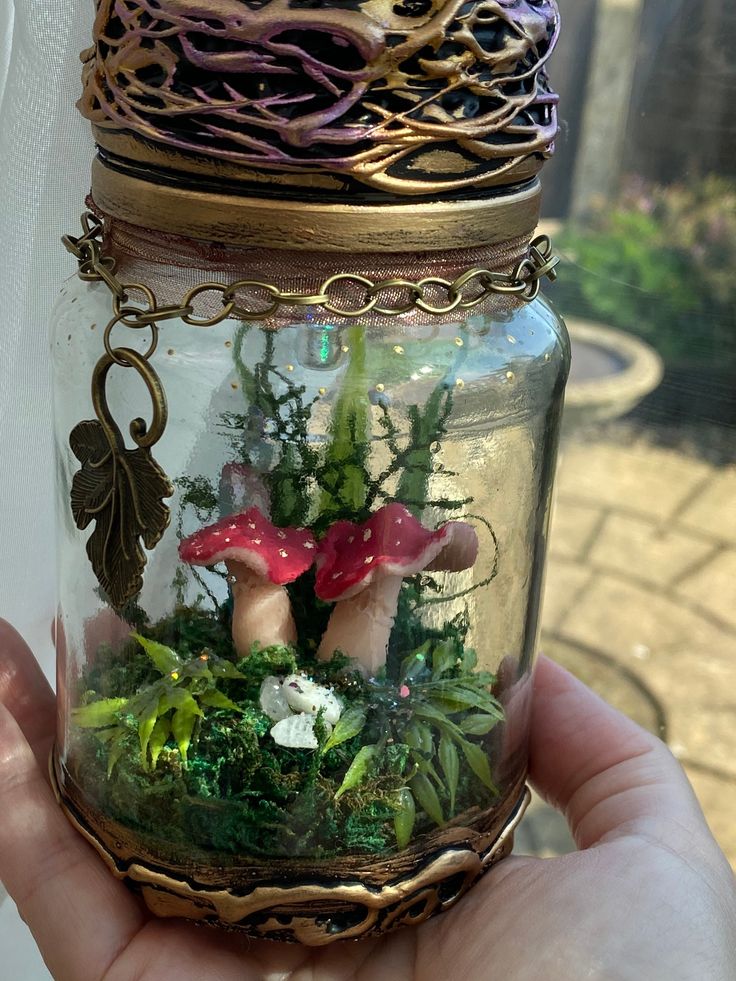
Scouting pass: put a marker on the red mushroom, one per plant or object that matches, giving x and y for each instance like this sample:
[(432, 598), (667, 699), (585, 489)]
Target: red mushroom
[(260, 560), (360, 568)]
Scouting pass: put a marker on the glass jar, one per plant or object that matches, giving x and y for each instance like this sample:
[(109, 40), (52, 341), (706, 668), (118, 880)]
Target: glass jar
[(297, 650)]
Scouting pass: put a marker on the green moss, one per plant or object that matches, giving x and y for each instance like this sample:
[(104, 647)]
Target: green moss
[(236, 790)]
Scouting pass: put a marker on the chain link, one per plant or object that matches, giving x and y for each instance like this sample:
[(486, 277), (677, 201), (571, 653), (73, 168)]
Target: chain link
[(245, 298)]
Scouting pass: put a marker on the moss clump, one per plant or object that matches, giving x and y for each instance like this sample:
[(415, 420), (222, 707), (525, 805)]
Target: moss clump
[(177, 744)]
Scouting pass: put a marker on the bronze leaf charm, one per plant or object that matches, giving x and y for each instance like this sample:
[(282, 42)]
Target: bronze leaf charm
[(120, 490)]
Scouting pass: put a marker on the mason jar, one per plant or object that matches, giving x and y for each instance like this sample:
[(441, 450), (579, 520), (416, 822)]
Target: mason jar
[(323, 668), (307, 413)]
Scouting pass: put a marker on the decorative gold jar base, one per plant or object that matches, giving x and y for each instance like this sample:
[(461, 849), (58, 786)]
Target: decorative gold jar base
[(297, 900)]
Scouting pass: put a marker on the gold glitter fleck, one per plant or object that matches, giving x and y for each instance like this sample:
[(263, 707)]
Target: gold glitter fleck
[(175, 675), (548, 356), (290, 367), (380, 387), (460, 383), (510, 376), (369, 560), (459, 341), (323, 391), (344, 349), (283, 553), (511, 339), (398, 349)]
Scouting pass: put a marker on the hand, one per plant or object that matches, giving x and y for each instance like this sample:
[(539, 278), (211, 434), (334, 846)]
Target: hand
[(649, 896)]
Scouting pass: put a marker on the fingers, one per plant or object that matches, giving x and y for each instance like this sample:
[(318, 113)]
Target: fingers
[(26, 693), (80, 916), (609, 776)]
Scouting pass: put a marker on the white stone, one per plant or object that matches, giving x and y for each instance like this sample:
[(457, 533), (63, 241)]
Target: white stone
[(297, 732), (307, 696), (272, 699)]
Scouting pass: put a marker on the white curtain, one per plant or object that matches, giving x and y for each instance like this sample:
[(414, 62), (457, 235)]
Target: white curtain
[(45, 155)]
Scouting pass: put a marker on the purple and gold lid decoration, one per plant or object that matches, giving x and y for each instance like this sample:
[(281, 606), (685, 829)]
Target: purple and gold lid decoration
[(415, 97)]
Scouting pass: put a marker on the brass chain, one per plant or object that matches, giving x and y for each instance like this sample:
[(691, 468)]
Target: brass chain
[(249, 299)]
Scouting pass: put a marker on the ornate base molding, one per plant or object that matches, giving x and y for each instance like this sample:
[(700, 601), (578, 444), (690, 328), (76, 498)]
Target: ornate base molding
[(298, 900)]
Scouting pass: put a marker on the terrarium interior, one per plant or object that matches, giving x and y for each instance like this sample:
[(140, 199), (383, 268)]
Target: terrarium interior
[(330, 647)]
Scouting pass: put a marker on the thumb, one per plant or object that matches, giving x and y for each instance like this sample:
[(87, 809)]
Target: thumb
[(609, 776)]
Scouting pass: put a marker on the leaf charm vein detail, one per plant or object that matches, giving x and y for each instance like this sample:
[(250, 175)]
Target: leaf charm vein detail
[(121, 490)]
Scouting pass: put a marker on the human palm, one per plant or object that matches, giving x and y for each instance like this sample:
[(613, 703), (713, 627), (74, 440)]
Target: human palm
[(649, 896)]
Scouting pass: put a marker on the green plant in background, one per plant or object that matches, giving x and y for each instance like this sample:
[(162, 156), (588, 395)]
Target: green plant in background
[(658, 263)]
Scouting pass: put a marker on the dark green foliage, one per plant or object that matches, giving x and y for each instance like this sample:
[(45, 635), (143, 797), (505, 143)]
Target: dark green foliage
[(343, 476), (394, 764), (278, 414), (659, 263)]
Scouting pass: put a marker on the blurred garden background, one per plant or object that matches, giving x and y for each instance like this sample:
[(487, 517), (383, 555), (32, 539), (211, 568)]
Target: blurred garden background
[(641, 202)]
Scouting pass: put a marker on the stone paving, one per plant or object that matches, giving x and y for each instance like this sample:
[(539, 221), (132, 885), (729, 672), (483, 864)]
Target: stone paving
[(641, 603)]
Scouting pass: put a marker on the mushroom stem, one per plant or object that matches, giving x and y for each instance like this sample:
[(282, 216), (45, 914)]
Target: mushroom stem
[(261, 610), (360, 626)]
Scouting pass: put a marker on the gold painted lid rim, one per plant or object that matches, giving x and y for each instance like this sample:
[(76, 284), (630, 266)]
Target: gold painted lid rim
[(249, 221)]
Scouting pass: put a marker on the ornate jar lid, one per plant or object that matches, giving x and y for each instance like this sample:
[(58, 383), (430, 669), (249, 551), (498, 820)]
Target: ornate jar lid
[(326, 105)]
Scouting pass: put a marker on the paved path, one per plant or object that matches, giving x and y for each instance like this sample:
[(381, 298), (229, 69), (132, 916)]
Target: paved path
[(641, 602)]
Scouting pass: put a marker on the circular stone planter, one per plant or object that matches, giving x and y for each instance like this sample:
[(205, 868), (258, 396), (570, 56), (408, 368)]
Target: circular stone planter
[(611, 373)]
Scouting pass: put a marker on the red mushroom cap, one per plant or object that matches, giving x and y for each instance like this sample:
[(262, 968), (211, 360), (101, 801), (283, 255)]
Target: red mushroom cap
[(281, 554), (391, 542)]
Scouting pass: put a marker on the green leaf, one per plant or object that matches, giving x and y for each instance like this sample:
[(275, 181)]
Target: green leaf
[(435, 716), (96, 715), (221, 668), (147, 716), (444, 658), (216, 699), (182, 725), (450, 762), (117, 745), (478, 762), (448, 706), (418, 735), (160, 733), (468, 697), (415, 663), (105, 735), (478, 724), (358, 769), (173, 697), (349, 725), (427, 798), (404, 817), (163, 657)]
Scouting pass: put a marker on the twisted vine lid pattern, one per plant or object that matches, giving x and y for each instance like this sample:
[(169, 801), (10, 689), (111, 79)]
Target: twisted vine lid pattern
[(408, 97)]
